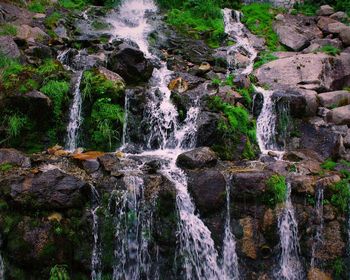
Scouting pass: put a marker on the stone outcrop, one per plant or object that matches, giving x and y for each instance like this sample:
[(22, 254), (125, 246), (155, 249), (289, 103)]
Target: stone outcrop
[(198, 158), (8, 47), (14, 157)]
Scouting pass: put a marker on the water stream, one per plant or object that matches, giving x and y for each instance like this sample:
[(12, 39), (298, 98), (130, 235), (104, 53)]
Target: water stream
[(2, 269), (96, 248), (290, 267), (318, 238)]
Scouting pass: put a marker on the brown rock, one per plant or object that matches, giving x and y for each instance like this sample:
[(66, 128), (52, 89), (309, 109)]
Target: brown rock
[(317, 274), (179, 85), (325, 10), (345, 36), (14, 157), (249, 247)]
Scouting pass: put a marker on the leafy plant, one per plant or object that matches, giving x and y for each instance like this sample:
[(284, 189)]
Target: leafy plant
[(49, 66), (59, 272), (341, 197), (277, 189), (5, 167)]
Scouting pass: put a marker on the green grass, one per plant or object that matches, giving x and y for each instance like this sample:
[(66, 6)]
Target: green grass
[(8, 29), (259, 17), (264, 57), (307, 8), (52, 20), (276, 189), (331, 50), (199, 18), (38, 6), (4, 168), (341, 196), (57, 91), (59, 272), (329, 164), (50, 66)]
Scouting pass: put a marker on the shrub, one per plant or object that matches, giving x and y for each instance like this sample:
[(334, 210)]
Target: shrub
[(276, 189)]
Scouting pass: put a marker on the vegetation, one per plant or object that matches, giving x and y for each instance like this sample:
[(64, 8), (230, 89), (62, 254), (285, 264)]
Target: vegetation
[(263, 58), (258, 17), (4, 167), (8, 29), (276, 189), (331, 50), (59, 272), (309, 7), (341, 197), (329, 164)]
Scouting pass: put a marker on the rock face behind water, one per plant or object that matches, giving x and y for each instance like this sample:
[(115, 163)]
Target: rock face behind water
[(131, 64)]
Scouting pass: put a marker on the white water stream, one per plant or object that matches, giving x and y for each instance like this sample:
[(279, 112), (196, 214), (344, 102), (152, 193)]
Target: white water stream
[(96, 250), (290, 267), (2, 269)]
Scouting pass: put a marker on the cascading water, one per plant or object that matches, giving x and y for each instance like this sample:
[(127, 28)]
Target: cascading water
[(74, 115), (266, 122), (2, 269), (318, 238), (133, 227), (96, 249), (290, 267), (230, 259)]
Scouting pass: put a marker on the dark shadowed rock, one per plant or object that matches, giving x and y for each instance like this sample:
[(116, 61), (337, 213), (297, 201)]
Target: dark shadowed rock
[(208, 189), (14, 157), (207, 128), (51, 189), (197, 158), (131, 64)]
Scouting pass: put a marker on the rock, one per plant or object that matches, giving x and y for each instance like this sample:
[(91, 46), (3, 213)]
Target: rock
[(347, 140), (131, 64), (37, 50), (241, 60), (303, 184), (323, 23), (204, 67), (207, 128), (340, 16), (329, 213), (88, 161), (8, 47), (114, 77), (334, 98), (336, 27), (340, 115), (178, 85), (327, 42), (316, 274), (249, 185), (325, 10), (309, 71), (242, 81), (249, 247), (14, 157), (345, 36), (109, 162), (296, 32), (328, 181), (208, 189), (31, 34), (52, 189), (197, 158)]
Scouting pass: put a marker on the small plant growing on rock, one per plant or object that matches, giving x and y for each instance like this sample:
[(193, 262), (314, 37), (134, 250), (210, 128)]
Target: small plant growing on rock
[(8, 29), (59, 272), (329, 164), (331, 50), (341, 196), (276, 189)]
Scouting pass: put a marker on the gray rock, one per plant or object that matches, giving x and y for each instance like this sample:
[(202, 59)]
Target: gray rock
[(207, 188), (291, 39), (325, 10), (340, 115), (336, 27), (14, 157), (319, 72), (334, 98), (345, 36), (326, 41), (324, 22), (339, 16), (197, 158), (8, 47), (346, 139)]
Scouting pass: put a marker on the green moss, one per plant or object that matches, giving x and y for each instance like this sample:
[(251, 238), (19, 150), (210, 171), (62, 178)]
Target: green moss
[(38, 6), (276, 189), (50, 66), (99, 25), (8, 29), (338, 267), (264, 57), (259, 17)]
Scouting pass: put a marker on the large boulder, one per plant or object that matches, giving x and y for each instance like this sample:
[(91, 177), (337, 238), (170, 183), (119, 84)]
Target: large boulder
[(334, 98), (324, 22), (197, 158), (8, 47), (50, 189), (296, 32), (325, 10), (14, 157), (320, 72), (31, 34), (339, 115), (345, 36), (207, 188), (131, 64)]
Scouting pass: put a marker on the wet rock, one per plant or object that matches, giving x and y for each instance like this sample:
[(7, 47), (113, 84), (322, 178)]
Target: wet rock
[(110, 162), (325, 10), (328, 181), (51, 189), (14, 157), (178, 85), (308, 71), (334, 98), (131, 64), (114, 77), (197, 158), (207, 128), (8, 47), (248, 242), (249, 185), (208, 190), (339, 115), (303, 184), (88, 161), (316, 274), (242, 81)]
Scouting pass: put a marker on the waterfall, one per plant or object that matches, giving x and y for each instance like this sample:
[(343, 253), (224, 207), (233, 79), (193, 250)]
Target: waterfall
[(318, 239), (96, 249), (126, 116), (290, 267), (230, 259), (74, 115), (132, 232)]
